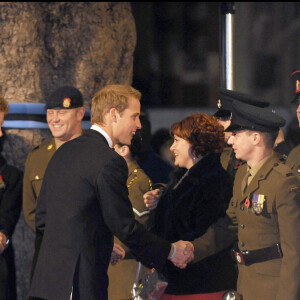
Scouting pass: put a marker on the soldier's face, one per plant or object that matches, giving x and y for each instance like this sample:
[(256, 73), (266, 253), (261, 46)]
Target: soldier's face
[(298, 113), (65, 124), (127, 122), (182, 152), (242, 145)]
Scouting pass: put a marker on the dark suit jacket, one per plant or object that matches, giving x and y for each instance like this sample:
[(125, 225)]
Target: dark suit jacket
[(86, 197)]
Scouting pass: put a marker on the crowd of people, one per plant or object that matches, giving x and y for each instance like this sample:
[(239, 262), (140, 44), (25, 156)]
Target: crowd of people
[(212, 204)]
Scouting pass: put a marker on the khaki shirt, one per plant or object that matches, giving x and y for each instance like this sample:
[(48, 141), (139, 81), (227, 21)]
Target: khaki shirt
[(35, 167)]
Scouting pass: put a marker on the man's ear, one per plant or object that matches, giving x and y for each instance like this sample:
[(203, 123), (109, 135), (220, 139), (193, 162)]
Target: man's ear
[(80, 112), (113, 114), (256, 137), (125, 150)]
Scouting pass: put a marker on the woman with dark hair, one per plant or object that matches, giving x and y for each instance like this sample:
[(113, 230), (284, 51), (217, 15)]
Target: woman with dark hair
[(188, 206)]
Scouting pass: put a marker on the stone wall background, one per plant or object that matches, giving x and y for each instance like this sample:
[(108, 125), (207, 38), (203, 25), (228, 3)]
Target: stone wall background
[(44, 45)]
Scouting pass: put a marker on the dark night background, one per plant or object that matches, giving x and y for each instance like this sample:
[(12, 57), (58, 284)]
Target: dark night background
[(176, 61)]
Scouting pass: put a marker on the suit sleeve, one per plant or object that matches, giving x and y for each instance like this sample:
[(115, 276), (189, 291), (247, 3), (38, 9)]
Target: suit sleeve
[(11, 202), (118, 215), (29, 198)]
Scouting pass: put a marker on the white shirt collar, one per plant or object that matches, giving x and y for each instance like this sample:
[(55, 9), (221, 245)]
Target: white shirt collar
[(107, 137)]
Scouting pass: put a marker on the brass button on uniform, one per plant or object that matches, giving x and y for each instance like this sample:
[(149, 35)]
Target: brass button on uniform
[(242, 244), (242, 226)]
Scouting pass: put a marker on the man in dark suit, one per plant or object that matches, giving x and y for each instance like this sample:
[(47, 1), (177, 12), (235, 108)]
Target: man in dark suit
[(86, 197)]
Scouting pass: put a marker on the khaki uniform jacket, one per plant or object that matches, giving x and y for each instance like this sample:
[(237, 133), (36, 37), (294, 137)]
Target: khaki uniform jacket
[(293, 160), (36, 164), (279, 222), (122, 275)]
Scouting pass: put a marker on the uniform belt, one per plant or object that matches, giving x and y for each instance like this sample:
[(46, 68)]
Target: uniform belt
[(249, 257)]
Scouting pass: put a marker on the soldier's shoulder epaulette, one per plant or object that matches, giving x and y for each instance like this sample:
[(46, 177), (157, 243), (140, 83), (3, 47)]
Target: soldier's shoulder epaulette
[(283, 169), (46, 145)]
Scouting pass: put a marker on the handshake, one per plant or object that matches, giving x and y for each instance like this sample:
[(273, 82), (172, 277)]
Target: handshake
[(182, 252)]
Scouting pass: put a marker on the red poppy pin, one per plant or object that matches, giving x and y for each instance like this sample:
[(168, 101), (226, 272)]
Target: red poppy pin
[(66, 102), (2, 183), (247, 203)]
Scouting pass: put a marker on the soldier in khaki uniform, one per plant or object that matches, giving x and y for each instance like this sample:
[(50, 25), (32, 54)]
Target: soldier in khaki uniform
[(65, 112), (264, 212), (36, 163), (122, 275)]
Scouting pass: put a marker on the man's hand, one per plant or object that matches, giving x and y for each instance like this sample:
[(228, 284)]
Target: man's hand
[(117, 254), (151, 198), (183, 255), (3, 240)]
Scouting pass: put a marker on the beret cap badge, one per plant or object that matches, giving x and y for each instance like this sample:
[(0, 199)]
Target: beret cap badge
[(66, 102)]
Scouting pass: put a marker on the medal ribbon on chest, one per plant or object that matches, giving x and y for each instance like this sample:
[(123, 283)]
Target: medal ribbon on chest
[(258, 203)]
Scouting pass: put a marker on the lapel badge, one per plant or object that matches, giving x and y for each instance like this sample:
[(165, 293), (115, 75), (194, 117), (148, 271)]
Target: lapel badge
[(258, 203), (2, 183), (50, 147), (66, 102)]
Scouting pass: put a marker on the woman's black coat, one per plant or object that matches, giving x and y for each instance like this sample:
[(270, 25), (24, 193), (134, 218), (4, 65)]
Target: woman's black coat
[(185, 212)]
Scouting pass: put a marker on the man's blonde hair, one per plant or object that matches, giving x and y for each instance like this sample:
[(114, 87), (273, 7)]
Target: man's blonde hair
[(4, 107), (111, 96)]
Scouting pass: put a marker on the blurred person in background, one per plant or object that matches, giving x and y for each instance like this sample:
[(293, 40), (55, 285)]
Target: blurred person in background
[(228, 160), (161, 142), (153, 165), (122, 275), (293, 159)]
